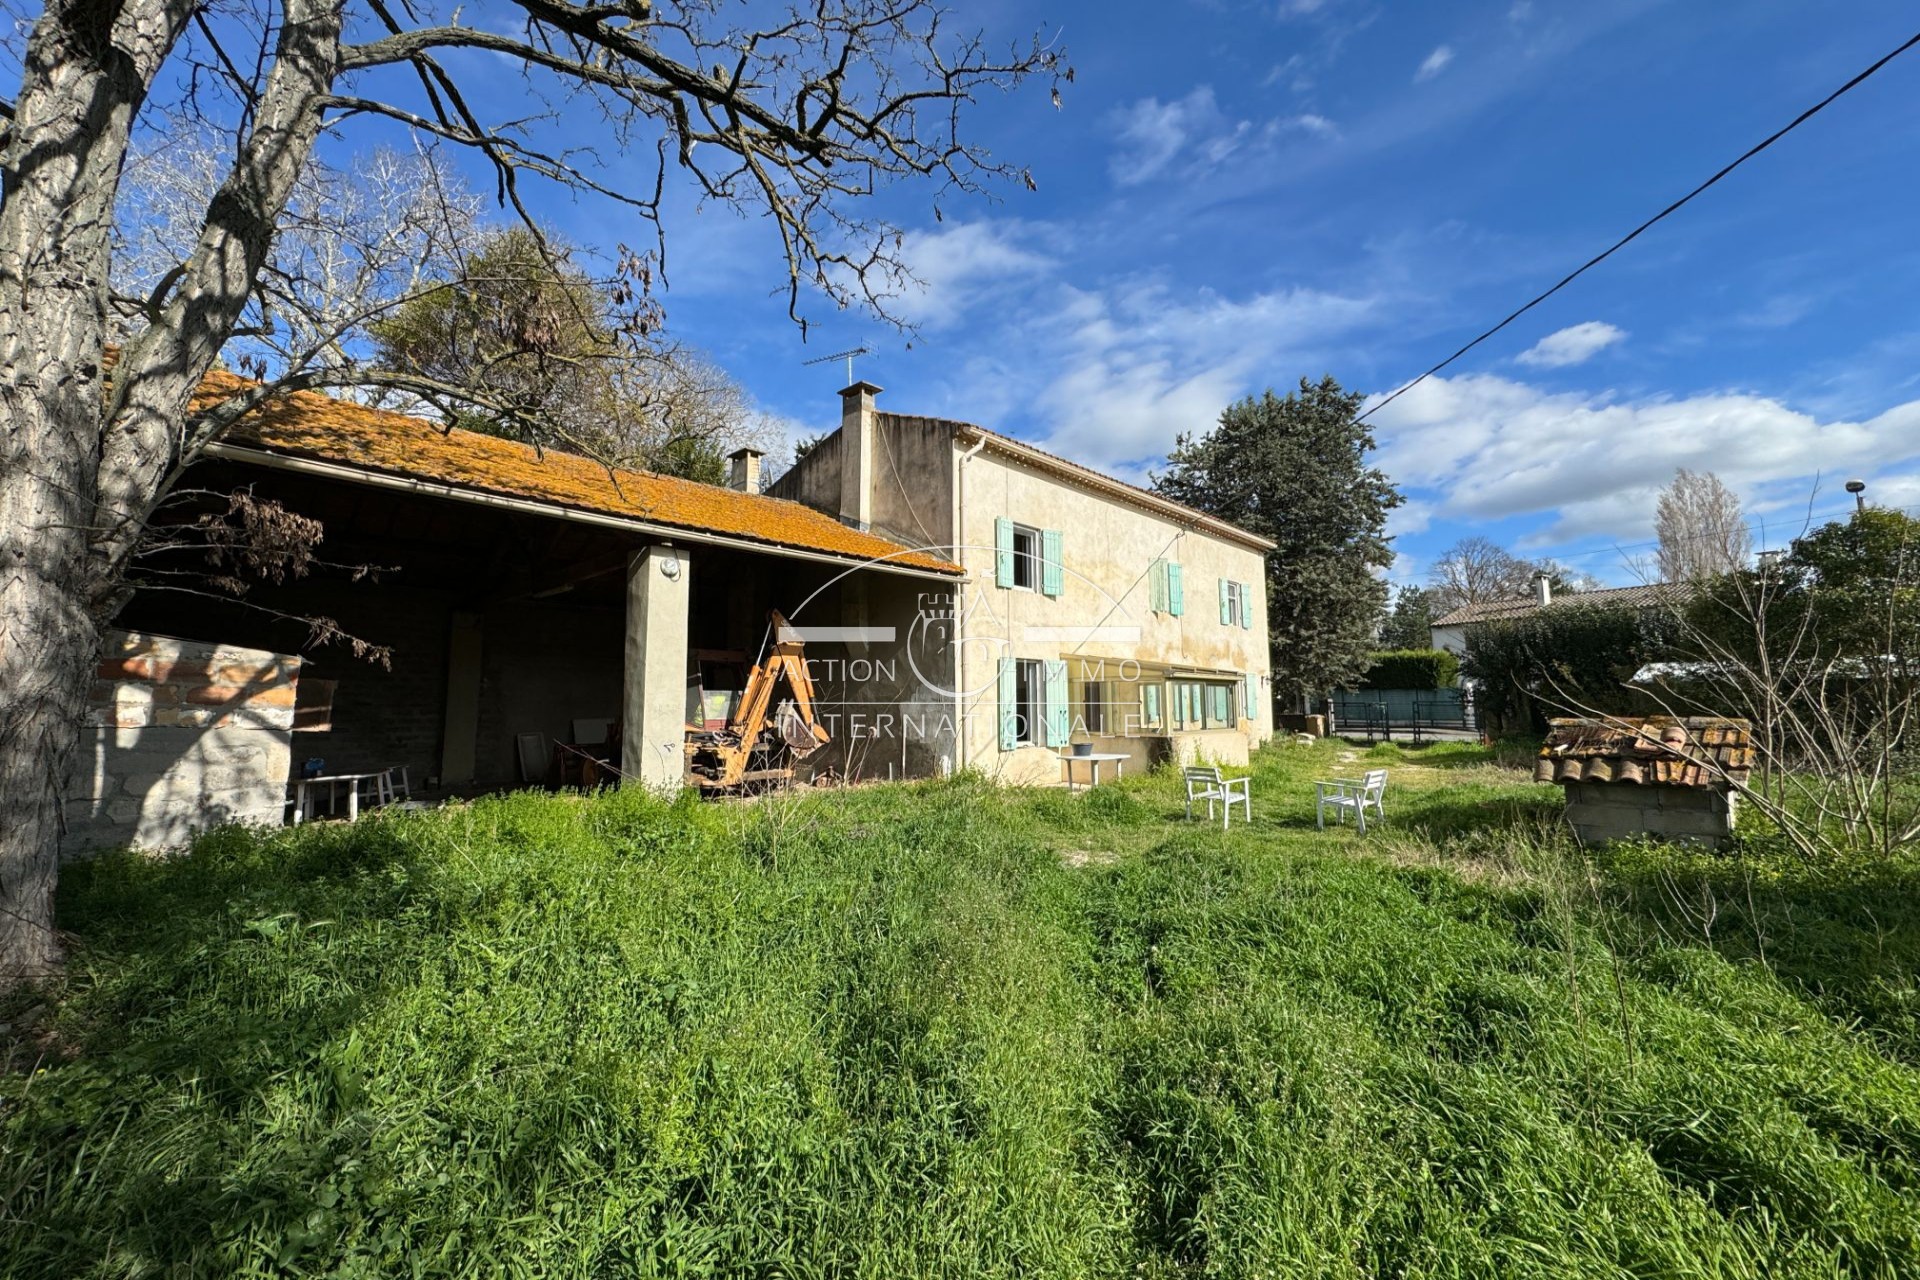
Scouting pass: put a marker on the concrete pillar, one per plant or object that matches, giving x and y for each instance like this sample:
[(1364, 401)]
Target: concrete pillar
[(653, 727), (460, 730)]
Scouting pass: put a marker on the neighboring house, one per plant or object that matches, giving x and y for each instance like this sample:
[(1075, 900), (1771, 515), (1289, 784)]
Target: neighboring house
[(1092, 612), (1450, 629)]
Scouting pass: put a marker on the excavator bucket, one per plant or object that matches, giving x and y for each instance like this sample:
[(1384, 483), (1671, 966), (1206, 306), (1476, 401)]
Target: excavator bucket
[(762, 735)]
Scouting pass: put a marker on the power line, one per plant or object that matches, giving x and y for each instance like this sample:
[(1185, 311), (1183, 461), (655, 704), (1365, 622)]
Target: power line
[(1595, 261)]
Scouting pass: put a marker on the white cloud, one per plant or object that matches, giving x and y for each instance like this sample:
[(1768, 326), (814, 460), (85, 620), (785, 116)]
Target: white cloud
[(1573, 345), (1435, 63), (1309, 122), (1192, 136), (1141, 363), (960, 264), (1155, 134), (1490, 448)]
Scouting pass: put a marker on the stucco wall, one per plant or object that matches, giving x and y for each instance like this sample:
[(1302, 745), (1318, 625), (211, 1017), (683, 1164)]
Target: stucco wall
[(814, 479), (180, 737), (1107, 550)]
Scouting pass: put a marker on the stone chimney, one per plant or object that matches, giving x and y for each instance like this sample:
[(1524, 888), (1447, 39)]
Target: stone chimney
[(1542, 589), (743, 470), (858, 427)]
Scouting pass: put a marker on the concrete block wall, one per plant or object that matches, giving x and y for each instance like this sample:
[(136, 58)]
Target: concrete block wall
[(180, 736), (1604, 811)]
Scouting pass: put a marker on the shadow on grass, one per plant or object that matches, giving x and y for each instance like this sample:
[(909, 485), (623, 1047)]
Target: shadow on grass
[(205, 977)]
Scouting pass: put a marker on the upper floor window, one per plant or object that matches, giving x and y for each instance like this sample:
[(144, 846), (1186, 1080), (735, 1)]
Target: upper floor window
[(1165, 594), (1236, 603), (1027, 558)]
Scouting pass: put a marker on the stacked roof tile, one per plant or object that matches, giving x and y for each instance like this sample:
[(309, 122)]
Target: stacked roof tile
[(1704, 752)]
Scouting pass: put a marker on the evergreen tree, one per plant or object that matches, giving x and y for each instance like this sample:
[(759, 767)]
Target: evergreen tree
[(1294, 469), (1410, 624)]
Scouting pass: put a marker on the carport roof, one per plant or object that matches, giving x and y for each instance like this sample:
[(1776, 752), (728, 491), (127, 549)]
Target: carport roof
[(376, 442)]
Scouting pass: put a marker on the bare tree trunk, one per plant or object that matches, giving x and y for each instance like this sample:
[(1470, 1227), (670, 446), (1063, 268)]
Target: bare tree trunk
[(85, 73), (84, 463)]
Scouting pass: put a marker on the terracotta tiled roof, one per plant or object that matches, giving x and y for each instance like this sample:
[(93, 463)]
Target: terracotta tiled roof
[(1648, 596), (305, 424), (1093, 479), (1699, 751)]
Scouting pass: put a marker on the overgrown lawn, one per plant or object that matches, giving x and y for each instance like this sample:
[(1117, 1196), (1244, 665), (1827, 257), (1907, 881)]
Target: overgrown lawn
[(945, 1029)]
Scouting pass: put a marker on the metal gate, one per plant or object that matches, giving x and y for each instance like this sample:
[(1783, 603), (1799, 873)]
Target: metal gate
[(1415, 713)]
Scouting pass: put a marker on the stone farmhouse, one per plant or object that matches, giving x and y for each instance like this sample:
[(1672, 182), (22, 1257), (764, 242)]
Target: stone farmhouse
[(1093, 613), (965, 600)]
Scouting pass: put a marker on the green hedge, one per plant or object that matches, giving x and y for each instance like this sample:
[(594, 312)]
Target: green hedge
[(1568, 660), (1412, 669)]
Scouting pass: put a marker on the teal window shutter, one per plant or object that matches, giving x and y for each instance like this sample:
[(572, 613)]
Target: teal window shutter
[(1246, 606), (1002, 552), (1176, 598), (1226, 612), (1059, 712), (1222, 709), (1150, 704), (1050, 562), (1009, 709), (1252, 687), (1157, 587)]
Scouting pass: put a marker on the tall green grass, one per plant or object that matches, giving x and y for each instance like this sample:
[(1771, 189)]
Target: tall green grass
[(895, 1033)]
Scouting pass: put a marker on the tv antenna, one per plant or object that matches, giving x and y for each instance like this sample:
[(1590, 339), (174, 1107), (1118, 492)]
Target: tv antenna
[(841, 355)]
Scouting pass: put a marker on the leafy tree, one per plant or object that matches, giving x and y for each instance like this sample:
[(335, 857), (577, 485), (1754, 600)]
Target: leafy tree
[(554, 355), (1410, 623), (1295, 470), (798, 120), (1702, 532)]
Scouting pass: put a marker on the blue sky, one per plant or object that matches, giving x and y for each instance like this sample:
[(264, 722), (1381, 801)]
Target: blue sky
[(1238, 194)]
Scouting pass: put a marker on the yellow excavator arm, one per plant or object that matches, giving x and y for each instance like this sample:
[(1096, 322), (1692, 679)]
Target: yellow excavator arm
[(721, 760)]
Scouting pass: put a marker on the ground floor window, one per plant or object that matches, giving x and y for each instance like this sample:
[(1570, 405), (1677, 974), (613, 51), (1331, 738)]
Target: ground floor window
[(1203, 704), (1034, 707), (1096, 703), (1029, 703)]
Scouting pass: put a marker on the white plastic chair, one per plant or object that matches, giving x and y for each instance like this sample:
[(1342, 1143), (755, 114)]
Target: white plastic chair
[(1205, 783), (1351, 795)]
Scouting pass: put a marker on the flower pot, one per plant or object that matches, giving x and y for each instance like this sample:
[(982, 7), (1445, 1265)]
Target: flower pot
[(1083, 748)]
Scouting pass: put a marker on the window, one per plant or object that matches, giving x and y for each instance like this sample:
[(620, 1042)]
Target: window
[(1236, 604), (1094, 704), (1164, 588), (1026, 557), (1150, 700), (1029, 702), (1204, 704), (1033, 704)]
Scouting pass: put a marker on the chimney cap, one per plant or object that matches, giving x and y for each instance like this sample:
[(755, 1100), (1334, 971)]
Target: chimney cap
[(746, 451), (862, 388)]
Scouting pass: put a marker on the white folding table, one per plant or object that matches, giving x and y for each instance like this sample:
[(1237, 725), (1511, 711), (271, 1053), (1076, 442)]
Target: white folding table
[(1095, 760)]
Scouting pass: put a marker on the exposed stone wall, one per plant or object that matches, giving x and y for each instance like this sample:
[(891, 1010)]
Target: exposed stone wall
[(181, 736), (1603, 811)]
